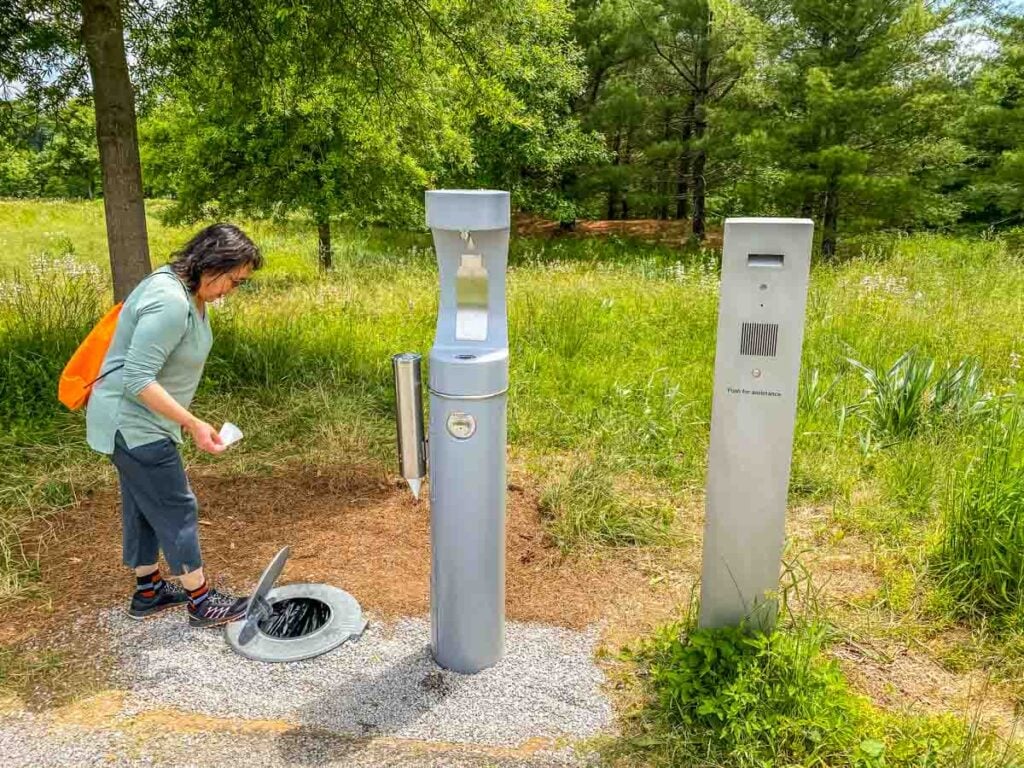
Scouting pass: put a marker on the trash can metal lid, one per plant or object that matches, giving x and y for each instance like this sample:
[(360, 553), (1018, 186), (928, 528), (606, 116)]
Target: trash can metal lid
[(344, 622), (258, 608)]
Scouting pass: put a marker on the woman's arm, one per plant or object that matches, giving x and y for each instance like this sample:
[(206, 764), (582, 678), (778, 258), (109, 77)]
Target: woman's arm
[(155, 397), (162, 321)]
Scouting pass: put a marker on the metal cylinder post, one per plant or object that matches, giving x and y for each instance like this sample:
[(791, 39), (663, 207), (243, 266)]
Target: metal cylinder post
[(467, 429), (412, 459)]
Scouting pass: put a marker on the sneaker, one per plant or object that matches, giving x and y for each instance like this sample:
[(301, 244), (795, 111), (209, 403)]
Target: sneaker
[(218, 608), (170, 595)]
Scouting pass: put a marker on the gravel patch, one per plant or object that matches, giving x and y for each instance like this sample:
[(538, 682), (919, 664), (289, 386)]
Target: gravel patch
[(25, 742), (386, 684)]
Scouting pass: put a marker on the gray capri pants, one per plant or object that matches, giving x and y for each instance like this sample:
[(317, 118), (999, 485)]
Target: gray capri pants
[(158, 508)]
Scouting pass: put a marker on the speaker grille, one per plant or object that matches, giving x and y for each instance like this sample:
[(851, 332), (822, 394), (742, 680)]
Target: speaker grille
[(759, 339)]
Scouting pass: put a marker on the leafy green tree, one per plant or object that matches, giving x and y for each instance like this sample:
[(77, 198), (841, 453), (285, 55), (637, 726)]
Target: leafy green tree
[(528, 140), (48, 153), (619, 115), (863, 101), (659, 73), (608, 102), (708, 45), (321, 108), (17, 177), (352, 109), (606, 32), (328, 152), (48, 47), (68, 164), (20, 141), (993, 129)]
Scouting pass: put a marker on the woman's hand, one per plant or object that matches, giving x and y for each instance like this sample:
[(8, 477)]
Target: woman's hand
[(206, 437), (155, 398)]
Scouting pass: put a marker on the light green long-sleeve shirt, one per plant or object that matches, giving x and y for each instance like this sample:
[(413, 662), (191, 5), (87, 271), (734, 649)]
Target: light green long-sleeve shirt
[(161, 336)]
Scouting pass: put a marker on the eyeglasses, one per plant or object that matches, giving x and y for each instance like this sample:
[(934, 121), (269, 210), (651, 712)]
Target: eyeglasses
[(237, 282)]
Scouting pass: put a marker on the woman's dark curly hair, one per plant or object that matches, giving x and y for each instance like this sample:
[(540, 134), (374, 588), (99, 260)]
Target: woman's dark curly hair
[(214, 251)]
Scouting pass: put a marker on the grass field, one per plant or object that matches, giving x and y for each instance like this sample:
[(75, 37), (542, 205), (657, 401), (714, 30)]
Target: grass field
[(612, 345)]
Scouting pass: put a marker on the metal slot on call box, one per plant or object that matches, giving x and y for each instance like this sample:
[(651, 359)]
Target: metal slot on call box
[(776, 260)]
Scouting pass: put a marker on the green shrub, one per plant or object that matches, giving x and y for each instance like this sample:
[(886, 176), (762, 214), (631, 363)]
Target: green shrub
[(910, 395), (753, 699), (726, 697)]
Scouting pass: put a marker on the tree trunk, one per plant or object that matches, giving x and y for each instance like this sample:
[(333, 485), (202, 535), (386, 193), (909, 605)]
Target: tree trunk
[(624, 189), (664, 183), (699, 194), (123, 204), (595, 87), (565, 183), (830, 221), (807, 206), (613, 191), (699, 161), (323, 249), (683, 177), (700, 126)]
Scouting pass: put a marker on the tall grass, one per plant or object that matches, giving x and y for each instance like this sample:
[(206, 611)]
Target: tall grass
[(612, 353), (585, 508), (979, 557), (43, 317)]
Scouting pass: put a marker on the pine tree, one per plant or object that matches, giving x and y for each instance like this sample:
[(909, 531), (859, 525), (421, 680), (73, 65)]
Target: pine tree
[(993, 129), (863, 104)]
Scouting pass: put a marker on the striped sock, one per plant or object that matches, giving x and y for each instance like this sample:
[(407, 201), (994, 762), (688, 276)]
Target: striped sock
[(197, 596), (147, 586)]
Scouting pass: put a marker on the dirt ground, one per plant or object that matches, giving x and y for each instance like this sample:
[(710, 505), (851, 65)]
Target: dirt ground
[(356, 528), (353, 528)]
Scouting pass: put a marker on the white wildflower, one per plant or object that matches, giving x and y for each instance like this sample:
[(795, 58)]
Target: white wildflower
[(10, 291), (44, 267), (677, 272)]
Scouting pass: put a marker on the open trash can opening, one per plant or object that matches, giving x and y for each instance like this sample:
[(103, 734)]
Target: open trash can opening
[(296, 621)]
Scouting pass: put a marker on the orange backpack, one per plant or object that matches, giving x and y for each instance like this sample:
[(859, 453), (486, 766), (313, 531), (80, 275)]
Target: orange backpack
[(83, 369)]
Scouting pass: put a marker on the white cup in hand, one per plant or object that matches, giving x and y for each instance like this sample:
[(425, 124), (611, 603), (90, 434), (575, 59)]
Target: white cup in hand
[(230, 434)]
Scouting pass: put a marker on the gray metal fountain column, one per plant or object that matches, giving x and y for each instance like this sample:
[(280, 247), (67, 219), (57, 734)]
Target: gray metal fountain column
[(467, 427)]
